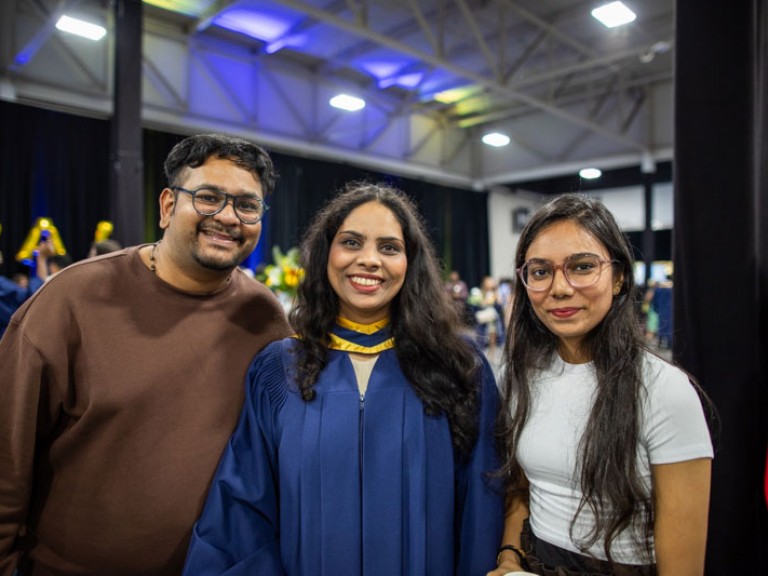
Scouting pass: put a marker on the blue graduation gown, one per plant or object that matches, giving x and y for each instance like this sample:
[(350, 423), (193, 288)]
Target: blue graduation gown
[(346, 484)]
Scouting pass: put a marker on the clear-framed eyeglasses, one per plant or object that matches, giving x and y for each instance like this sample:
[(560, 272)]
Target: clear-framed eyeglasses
[(580, 271), (210, 201)]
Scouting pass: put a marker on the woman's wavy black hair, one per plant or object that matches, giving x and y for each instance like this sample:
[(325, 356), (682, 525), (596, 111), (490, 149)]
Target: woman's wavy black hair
[(440, 364)]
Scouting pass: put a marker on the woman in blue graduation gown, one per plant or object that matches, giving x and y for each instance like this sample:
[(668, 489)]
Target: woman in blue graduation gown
[(366, 442)]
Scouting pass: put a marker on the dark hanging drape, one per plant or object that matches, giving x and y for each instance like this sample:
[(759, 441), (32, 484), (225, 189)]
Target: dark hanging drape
[(155, 146), (456, 219), (57, 165), (721, 256), (54, 165)]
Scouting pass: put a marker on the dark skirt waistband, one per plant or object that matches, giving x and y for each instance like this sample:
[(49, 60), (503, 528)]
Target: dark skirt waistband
[(547, 559)]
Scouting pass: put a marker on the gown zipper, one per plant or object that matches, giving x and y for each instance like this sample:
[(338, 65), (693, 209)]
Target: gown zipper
[(360, 475), (360, 435)]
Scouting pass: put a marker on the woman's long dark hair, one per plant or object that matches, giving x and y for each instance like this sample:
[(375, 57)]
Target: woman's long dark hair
[(612, 487), (441, 366)]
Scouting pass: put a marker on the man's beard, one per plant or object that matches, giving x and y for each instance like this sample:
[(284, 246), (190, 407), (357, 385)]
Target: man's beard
[(212, 261), (218, 264)]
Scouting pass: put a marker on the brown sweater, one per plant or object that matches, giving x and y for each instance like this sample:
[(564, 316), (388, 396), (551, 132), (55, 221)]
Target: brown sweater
[(117, 396)]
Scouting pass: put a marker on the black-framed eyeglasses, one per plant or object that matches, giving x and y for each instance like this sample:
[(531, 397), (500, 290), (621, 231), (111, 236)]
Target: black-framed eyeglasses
[(209, 201), (580, 271)]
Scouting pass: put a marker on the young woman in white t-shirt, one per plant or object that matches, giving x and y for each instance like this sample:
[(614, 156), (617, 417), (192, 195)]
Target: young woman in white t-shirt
[(608, 448)]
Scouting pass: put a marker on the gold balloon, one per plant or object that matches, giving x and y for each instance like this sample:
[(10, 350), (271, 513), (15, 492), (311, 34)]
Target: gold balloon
[(103, 231), (42, 226)]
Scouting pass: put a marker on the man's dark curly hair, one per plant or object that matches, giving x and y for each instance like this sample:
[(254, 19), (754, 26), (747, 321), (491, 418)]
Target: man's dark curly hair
[(193, 152)]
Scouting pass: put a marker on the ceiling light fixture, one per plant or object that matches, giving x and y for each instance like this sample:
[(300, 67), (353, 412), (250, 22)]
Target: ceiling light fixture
[(347, 102), (81, 28), (614, 14), (590, 173), (496, 139)]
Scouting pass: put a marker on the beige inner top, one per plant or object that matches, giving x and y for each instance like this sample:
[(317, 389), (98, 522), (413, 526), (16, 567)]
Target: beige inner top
[(363, 365)]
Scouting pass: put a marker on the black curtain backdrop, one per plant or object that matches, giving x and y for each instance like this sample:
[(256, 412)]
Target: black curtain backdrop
[(456, 219), (155, 147), (662, 244), (721, 256), (57, 165), (54, 165)]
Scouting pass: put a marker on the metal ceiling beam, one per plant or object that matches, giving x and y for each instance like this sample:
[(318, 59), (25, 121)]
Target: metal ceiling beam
[(479, 38), (207, 17), (512, 112), (215, 73), (453, 146), (551, 30), (341, 59), (44, 32), (306, 24), (424, 25), (161, 83), (274, 82), (389, 42), (523, 58), (595, 62), (416, 147), (636, 106)]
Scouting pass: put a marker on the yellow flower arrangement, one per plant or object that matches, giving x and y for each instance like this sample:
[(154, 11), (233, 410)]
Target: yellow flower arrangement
[(285, 274)]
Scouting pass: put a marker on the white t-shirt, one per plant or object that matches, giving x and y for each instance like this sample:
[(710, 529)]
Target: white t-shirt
[(672, 429)]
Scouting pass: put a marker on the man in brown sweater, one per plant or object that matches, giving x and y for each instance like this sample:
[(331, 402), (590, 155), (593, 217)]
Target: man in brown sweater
[(122, 378)]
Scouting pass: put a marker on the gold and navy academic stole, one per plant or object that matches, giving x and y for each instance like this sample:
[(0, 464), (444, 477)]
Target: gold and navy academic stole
[(361, 338)]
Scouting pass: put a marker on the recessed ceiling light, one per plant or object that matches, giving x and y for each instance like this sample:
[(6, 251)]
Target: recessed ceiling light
[(590, 173), (496, 139), (614, 14), (347, 102), (81, 28)]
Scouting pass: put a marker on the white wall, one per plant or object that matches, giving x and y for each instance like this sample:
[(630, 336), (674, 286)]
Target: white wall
[(502, 202), (628, 206)]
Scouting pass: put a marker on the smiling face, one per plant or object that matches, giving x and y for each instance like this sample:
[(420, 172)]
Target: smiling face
[(567, 312), (205, 246), (367, 263)]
